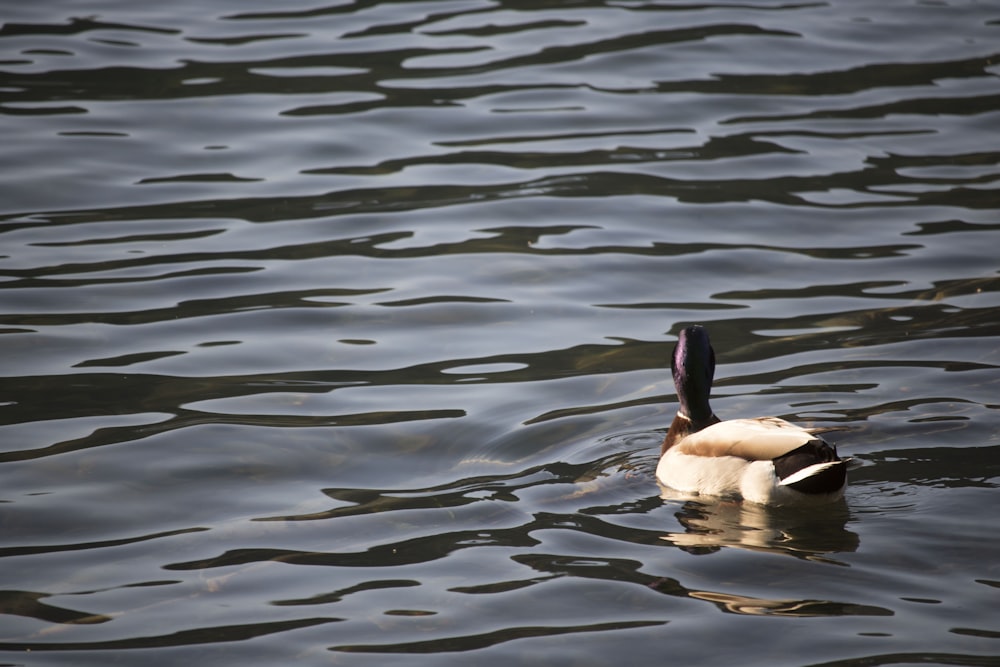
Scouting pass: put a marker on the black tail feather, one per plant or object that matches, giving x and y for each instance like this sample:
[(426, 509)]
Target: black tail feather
[(815, 451)]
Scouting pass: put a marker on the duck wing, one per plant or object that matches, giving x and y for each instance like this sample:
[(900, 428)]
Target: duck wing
[(761, 439)]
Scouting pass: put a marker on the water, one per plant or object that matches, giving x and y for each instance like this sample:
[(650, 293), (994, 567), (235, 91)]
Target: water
[(338, 334)]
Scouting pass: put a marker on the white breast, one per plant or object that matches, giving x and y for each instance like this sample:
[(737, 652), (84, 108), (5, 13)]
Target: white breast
[(726, 476)]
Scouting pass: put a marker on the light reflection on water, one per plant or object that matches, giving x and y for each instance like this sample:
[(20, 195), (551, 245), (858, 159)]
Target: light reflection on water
[(337, 332)]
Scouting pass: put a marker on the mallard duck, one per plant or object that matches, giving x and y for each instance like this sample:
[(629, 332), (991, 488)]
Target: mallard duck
[(766, 460)]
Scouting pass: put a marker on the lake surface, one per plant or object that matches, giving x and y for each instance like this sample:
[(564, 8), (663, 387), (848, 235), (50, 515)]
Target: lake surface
[(339, 334)]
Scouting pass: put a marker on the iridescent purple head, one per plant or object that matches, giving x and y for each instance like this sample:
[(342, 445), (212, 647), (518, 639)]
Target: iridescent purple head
[(693, 366)]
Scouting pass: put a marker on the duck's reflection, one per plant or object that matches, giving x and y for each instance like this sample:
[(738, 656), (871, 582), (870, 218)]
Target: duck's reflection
[(804, 532), (752, 606)]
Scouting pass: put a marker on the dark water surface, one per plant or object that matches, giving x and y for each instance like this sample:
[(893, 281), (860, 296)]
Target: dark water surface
[(337, 334)]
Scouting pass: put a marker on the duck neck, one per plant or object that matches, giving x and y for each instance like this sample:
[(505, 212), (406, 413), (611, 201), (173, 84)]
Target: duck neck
[(699, 413), (682, 426)]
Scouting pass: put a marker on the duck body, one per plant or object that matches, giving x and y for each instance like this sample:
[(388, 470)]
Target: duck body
[(765, 460)]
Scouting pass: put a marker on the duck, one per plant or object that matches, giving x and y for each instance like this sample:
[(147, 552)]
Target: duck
[(764, 460)]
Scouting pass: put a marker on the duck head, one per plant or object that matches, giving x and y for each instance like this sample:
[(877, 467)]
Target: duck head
[(693, 366)]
